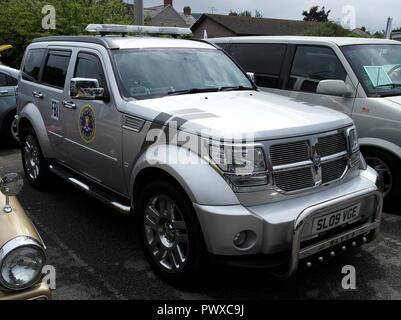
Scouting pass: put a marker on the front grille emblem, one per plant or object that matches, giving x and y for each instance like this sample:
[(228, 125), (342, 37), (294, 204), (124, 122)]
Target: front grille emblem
[(317, 162)]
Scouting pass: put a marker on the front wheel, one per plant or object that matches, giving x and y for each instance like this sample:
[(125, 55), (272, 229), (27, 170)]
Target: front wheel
[(33, 161), (170, 232), (388, 168)]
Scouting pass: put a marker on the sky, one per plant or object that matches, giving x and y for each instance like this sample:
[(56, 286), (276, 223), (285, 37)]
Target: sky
[(370, 13)]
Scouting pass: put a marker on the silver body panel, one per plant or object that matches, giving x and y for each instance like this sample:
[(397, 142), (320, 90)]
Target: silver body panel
[(8, 100), (116, 156)]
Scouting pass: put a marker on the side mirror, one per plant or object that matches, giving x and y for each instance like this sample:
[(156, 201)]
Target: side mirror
[(251, 76), (86, 89), (10, 185), (334, 88)]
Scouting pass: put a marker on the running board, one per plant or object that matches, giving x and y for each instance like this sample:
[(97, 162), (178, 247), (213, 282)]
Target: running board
[(114, 202)]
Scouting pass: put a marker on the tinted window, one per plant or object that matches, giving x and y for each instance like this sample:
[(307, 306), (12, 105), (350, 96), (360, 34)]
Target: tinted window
[(313, 64), (264, 60), (32, 64), (3, 80), (89, 66), (12, 81), (223, 46), (56, 68)]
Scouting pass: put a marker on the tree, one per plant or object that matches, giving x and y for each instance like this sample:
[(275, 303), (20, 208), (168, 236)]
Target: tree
[(330, 29), (246, 13), (21, 21), (316, 14), (258, 14)]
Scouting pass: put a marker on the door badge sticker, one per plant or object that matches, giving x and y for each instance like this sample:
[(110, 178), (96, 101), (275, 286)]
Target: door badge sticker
[(55, 110), (87, 123)]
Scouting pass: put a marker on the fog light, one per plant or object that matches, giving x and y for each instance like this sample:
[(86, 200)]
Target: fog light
[(240, 239), (245, 240)]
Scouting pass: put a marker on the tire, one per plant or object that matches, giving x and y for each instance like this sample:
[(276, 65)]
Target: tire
[(36, 167), (9, 131), (173, 244), (389, 168)]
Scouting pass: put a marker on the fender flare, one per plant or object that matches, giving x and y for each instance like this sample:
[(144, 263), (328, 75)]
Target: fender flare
[(202, 183), (31, 113), (381, 144)]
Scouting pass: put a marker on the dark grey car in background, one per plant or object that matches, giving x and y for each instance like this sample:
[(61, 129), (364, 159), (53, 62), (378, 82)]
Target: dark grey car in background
[(8, 93)]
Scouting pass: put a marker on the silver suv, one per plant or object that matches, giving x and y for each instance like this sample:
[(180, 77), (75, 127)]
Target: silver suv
[(8, 105), (360, 77), (174, 132)]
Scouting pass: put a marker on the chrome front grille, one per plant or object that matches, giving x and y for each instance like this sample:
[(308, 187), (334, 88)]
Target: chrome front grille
[(294, 180), (330, 145), (282, 154), (308, 163), (333, 170)]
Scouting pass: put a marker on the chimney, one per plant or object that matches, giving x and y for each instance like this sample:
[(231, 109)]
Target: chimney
[(187, 10), (168, 3)]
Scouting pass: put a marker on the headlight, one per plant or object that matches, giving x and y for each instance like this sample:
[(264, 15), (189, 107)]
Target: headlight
[(21, 263), (244, 166), (353, 140)]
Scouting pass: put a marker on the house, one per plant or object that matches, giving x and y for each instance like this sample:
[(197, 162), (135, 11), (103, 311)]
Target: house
[(228, 26), (166, 15), (362, 32), (396, 35)]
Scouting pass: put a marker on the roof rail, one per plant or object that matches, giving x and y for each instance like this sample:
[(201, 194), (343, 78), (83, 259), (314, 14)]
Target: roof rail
[(105, 29)]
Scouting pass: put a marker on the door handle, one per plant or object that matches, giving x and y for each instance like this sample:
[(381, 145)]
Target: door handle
[(3, 92), (69, 105), (37, 94)]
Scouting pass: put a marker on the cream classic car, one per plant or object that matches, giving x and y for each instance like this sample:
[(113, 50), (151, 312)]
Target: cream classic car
[(22, 251)]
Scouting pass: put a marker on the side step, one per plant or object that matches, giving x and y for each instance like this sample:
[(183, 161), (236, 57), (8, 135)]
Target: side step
[(107, 197)]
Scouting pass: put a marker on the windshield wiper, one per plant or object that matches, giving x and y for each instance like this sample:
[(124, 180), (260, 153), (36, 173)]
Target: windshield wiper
[(393, 85), (192, 91), (235, 88)]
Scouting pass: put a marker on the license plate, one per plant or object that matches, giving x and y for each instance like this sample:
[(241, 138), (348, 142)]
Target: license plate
[(332, 220)]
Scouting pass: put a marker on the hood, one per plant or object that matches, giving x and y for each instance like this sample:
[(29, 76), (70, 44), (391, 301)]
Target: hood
[(395, 99), (227, 114)]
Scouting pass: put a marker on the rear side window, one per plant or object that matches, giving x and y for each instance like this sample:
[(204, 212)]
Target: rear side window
[(313, 64), (56, 67), (32, 64), (89, 66), (3, 80), (12, 81), (264, 60)]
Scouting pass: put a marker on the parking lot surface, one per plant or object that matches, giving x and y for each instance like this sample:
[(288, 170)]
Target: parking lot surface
[(97, 256)]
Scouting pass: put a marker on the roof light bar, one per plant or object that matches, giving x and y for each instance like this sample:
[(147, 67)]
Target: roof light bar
[(123, 29)]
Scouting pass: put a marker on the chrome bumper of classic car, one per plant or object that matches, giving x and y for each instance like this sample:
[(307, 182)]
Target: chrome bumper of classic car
[(38, 292)]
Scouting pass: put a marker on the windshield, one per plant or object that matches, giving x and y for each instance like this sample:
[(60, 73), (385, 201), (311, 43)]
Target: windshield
[(378, 67), (152, 73)]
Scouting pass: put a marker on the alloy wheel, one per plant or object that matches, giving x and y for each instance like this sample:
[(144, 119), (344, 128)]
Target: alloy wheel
[(31, 158), (166, 233)]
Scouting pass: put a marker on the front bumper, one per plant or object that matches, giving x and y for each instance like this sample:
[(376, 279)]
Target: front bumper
[(281, 228), (39, 292)]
